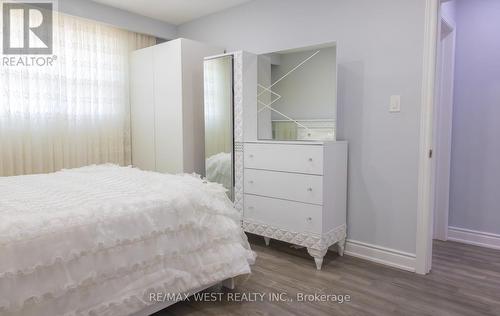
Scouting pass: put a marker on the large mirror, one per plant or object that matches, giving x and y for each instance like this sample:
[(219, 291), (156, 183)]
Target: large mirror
[(218, 87), (297, 94)]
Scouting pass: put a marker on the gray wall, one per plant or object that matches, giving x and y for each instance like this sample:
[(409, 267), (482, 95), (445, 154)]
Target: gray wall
[(380, 45), (475, 162), (117, 17)]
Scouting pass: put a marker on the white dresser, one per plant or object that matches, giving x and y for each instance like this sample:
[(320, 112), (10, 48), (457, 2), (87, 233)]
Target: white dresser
[(296, 192)]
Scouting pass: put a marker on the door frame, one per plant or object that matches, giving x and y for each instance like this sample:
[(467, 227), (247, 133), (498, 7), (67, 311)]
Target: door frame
[(425, 201)]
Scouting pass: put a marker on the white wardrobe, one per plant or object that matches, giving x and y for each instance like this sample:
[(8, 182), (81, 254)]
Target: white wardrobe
[(166, 93)]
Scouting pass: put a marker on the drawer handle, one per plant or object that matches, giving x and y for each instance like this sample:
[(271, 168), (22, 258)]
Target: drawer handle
[(309, 219), (251, 181), (310, 159), (309, 189), (251, 155)]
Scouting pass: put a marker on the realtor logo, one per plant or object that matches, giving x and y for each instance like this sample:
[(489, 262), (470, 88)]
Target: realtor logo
[(27, 28)]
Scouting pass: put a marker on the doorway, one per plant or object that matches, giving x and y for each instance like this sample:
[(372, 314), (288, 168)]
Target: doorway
[(465, 171), (470, 199)]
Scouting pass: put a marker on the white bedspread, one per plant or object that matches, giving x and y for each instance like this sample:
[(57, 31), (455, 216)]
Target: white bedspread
[(97, 240)]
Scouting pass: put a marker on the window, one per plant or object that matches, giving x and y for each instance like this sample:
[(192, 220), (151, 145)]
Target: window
[(74, 112)]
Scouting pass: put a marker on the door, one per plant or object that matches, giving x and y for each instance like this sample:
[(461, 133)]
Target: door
[(142, 111), (443, 127)]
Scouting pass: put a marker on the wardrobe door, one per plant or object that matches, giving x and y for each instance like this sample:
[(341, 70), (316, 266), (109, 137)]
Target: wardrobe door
[(168, 107), (218, 83), (142, 109)]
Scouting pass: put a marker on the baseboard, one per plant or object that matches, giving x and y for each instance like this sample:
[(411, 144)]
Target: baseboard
[(474, 237), (390, 257)]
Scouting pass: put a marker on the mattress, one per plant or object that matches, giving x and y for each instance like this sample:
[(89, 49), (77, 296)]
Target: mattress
[(98, 240)]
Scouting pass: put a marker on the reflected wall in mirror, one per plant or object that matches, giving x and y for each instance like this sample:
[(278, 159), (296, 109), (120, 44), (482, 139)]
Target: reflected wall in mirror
[(218, 84), (297, 94)]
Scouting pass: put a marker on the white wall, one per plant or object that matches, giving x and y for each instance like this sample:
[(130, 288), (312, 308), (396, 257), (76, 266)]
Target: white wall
[(380, 45), (117, 17)]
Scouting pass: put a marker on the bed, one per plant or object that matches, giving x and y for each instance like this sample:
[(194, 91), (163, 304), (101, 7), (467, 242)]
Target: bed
[(99, 240)]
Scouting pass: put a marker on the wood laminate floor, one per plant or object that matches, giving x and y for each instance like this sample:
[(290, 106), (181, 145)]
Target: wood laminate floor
[(465, 280)]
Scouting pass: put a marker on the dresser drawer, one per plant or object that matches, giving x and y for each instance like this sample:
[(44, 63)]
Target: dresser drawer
[(288, 215), (290, 186), (282, 157)]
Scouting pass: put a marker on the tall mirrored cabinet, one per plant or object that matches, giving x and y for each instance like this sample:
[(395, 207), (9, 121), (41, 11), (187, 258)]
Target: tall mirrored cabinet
[(230, 83)]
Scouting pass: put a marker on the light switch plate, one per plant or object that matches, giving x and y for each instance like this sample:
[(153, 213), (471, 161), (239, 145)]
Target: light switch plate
[(395, 105)]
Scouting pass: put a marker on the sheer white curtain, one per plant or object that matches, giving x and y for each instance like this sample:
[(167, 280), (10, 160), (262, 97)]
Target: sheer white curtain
[(218, 120), (74, 113)]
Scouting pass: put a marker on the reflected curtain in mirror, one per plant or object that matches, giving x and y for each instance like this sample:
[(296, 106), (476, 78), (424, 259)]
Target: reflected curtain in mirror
[(218, 81)]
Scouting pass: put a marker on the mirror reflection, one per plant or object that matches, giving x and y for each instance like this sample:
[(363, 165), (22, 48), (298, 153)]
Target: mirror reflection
[(218, 87), (297, 94)]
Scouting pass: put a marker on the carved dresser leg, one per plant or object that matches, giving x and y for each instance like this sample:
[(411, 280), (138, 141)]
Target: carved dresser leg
[(341, 247), (267, 240), (318, 256)]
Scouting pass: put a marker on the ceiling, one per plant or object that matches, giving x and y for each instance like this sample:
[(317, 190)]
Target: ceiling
[(173, 11)]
